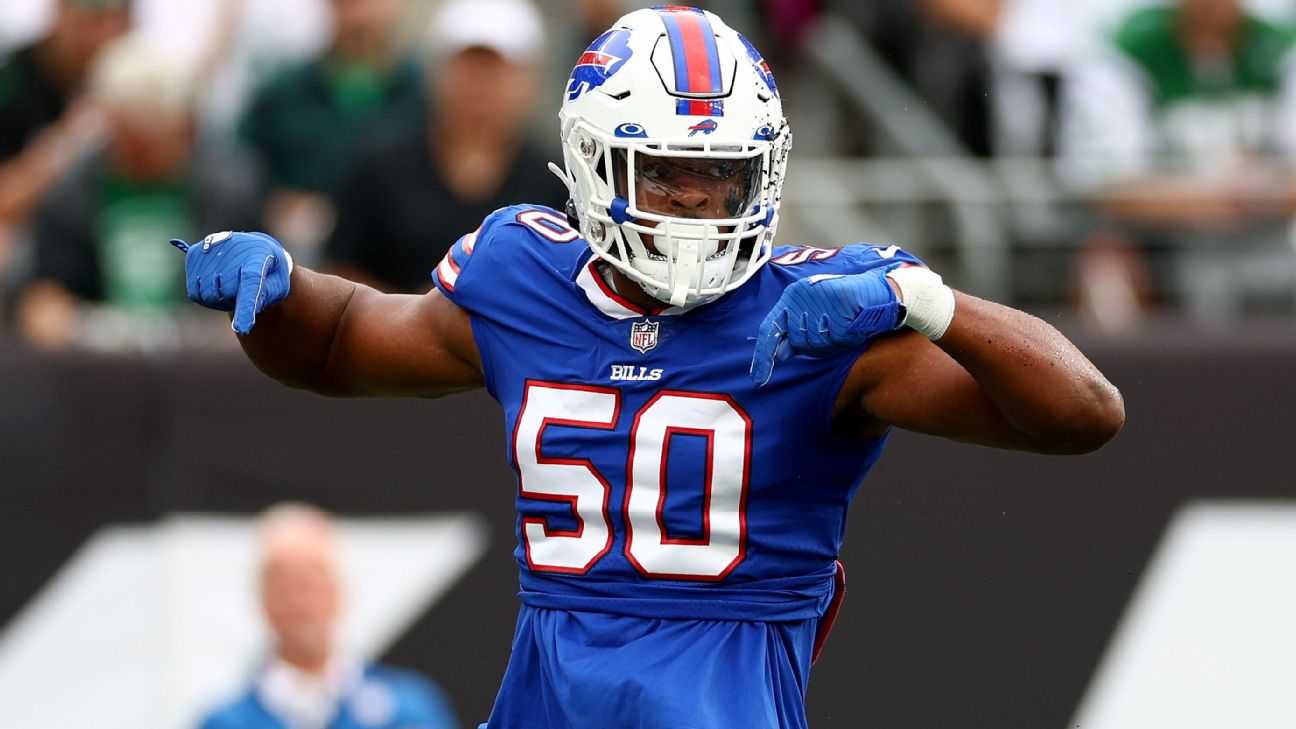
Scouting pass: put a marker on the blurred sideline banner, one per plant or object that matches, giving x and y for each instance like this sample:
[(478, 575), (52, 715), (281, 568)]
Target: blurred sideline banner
[(984, 586), (1208, 640)]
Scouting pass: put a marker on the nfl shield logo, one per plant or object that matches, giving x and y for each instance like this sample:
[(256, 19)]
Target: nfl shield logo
[(643, 335)]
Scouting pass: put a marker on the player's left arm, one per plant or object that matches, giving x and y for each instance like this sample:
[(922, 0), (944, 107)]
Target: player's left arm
[(997, 376), (941, 362)]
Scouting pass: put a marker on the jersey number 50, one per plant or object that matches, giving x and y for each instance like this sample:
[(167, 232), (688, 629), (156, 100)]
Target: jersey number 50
[(654, 553)]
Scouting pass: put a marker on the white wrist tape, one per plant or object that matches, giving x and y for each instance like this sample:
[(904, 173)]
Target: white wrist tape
[(288, 258), (928, 302)]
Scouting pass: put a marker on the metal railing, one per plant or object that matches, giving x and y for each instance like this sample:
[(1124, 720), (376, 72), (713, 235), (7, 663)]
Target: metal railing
[(937, 162)]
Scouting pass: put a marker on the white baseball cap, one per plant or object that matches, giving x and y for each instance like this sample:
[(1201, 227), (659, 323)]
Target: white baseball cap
[(134, 74), (512, 28)]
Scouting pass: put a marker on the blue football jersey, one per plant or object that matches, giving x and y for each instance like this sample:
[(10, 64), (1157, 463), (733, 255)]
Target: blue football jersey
[(678, 527), (654, 479)]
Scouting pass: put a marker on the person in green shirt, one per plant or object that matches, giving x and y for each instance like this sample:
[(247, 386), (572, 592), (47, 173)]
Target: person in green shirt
[(97, 259), (1182, 131), (306, 122), (41, 128), (44, 125)]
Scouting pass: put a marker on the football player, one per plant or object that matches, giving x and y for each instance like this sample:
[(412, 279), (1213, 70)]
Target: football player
[(688, 407)]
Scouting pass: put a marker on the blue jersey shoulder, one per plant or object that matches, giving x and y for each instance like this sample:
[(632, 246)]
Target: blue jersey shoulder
[(509, 242), (801, 261)]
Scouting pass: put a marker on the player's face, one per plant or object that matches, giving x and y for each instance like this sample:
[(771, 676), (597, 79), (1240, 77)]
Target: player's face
[(698, 188)]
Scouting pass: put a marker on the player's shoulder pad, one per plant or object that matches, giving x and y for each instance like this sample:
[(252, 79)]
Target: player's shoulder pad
[(507, 237), (802, 261)]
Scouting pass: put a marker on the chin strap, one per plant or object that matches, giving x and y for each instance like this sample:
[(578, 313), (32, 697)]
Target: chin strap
[(686, 267), (561, 174)]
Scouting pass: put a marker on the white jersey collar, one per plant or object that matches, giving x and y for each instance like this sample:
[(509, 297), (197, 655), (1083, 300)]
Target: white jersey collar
[(609, 302)]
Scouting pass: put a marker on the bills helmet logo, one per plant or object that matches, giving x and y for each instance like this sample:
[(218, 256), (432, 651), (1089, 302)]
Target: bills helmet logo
[(705, 126), (762, 68), (643, 335), (605, 56)]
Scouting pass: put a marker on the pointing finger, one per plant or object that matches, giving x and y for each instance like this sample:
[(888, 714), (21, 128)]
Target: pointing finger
[(773, 330), (250, 294)]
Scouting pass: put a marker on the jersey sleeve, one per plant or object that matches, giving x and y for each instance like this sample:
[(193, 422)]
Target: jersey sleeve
[(502, 262), (511, 274), (462, 275), (804, 261)]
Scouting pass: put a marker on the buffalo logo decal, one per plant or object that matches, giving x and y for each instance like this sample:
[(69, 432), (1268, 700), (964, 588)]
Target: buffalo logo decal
[(605, 56)]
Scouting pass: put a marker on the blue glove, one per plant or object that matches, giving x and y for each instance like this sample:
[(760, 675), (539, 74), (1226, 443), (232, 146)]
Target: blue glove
[(825, 314), (239, 272)]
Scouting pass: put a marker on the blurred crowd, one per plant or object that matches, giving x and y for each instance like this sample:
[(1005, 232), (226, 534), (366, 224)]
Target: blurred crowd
[(367, 150), (368, 135), (1165, 126)]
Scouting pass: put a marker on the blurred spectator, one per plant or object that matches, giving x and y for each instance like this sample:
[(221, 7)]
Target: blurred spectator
[(1182, 132), (21, 22), (264, 38), (787, 21), (37, 86), (596, 16), (308, 683), (410, 197), (1034, 43), (940, 48), (100, 233), (41, 128), (307, 123)]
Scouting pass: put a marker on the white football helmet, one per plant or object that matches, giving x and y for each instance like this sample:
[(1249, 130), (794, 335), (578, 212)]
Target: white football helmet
[(675, 147)]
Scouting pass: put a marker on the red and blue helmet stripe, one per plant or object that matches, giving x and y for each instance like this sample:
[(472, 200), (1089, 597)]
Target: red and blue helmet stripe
[(697, 59), (694, 107), (762, 68)]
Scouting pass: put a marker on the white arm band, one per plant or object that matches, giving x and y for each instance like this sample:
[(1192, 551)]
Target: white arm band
[(928, 302)]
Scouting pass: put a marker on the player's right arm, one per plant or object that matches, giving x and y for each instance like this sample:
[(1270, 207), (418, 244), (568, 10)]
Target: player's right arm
[(340, 338), (327, 334)]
